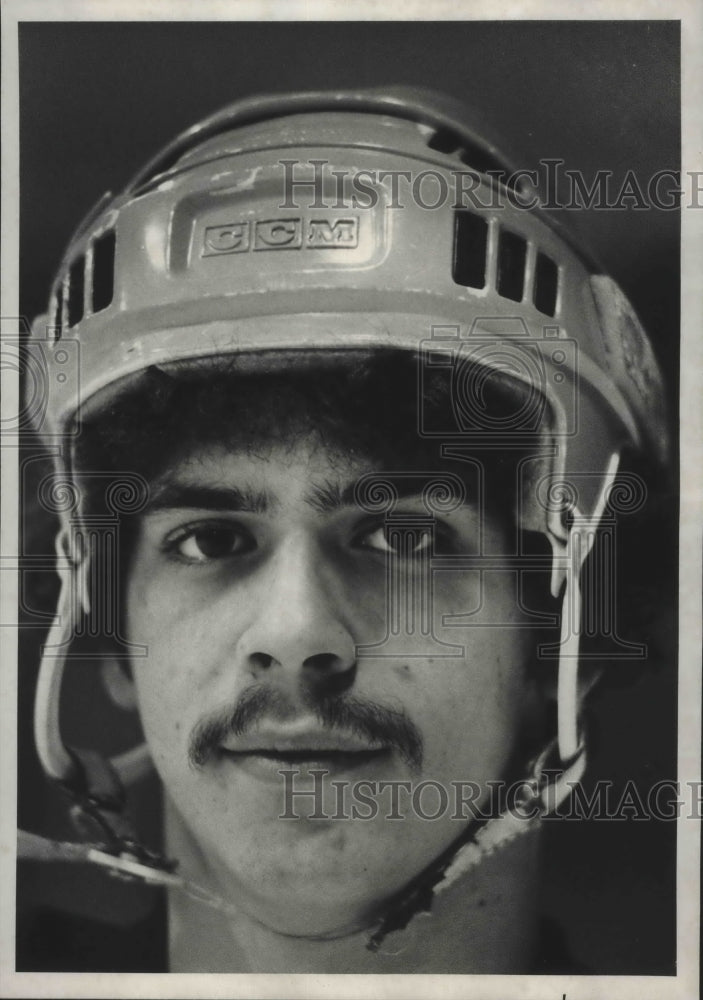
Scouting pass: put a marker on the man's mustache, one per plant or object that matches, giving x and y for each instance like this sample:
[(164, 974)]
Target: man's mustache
[(369, 720)]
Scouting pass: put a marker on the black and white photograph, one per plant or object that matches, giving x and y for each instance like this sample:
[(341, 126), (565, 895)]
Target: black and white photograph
[(351, 501)]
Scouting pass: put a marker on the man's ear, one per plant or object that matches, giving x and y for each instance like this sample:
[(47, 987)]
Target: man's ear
[(117, 678)]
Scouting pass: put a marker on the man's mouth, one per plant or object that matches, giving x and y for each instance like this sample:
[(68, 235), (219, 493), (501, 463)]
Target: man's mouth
[(266, 751)]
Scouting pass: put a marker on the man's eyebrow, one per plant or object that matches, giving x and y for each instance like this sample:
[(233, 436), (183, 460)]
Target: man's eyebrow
[(170, 494), (332, 496)]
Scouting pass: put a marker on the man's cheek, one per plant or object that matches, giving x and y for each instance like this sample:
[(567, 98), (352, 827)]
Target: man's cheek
[(162, 711)]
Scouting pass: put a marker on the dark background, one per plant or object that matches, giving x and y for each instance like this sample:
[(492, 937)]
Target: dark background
[(98, 100)]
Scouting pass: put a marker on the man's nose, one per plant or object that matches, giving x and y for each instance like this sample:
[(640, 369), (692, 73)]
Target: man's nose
[(300, 626)]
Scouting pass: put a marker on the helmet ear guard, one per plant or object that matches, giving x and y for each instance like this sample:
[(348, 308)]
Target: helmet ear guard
[(580, 543), (181, 267), (73, 603)]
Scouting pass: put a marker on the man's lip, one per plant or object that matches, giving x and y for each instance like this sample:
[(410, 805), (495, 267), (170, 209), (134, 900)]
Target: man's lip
[(268, 765), (300, 741)]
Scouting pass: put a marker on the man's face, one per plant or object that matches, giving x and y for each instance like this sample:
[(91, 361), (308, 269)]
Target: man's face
[(254, 582)]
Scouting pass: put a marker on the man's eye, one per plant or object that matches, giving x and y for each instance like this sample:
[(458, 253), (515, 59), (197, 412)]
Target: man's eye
[(402, 542), (209, 542)]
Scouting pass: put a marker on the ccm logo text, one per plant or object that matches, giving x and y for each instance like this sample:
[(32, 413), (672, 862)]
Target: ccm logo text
[(282, 234)]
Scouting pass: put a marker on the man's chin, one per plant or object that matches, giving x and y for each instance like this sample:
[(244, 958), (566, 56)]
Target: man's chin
[(305, 876), (326, 882), (310, 919), (319, 909)]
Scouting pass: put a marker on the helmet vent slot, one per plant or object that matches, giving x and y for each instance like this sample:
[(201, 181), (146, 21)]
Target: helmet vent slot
[(546, 284), (512, 254), (444, 140), (103, 270), (470, 242), (76, 289)]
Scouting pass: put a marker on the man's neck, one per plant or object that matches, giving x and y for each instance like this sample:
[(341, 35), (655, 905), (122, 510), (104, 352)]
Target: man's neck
[(484, 923)]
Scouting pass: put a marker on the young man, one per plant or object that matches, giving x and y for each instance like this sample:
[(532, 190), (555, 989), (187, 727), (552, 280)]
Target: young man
[(370, 406)]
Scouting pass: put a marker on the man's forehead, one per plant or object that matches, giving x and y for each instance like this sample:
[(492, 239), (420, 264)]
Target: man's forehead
[(305, 456), (257, 482), (260, 480)]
